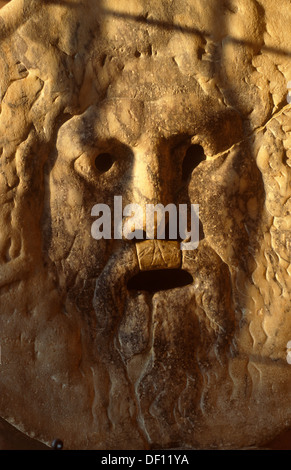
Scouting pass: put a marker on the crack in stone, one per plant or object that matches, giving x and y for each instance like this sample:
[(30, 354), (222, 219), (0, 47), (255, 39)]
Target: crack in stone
[(254, 132)]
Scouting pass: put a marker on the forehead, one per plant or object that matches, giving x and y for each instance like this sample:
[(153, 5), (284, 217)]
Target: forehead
[(150, 84), (135, 122), (130, 120)]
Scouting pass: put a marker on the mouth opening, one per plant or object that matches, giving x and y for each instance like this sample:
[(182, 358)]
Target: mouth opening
[(162, 279)]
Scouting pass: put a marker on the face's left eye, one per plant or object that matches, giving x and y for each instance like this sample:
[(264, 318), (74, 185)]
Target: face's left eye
[(193, 157), (104, 161)]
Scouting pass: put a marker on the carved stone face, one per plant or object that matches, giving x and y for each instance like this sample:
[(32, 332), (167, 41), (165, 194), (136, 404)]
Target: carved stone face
[(139, 342), (162, 147)]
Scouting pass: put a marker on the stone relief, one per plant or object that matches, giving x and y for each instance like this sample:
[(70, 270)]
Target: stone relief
[(136, 344)]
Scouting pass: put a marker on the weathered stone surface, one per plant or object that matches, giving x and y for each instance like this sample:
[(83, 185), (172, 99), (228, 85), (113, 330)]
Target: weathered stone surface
[(188, 102)]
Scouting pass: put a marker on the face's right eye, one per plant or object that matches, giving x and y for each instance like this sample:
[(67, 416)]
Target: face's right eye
[(107, 161), (103, 162), (92, 166)]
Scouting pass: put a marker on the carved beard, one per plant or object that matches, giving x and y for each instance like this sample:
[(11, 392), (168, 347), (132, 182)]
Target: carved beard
[(161, 348)]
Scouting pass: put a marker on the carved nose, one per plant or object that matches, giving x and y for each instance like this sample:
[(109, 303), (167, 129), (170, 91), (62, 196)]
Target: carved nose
[(149, 188), (147, 178), (151, 195)]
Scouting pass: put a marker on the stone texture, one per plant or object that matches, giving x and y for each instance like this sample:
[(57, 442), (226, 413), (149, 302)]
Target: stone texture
[(190, 102)]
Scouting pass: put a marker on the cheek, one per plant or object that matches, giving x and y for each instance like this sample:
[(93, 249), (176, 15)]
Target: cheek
[(68, 236), (230, 195)]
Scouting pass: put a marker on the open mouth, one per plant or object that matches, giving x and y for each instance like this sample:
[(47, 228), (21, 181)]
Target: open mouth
[(158, 280)]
